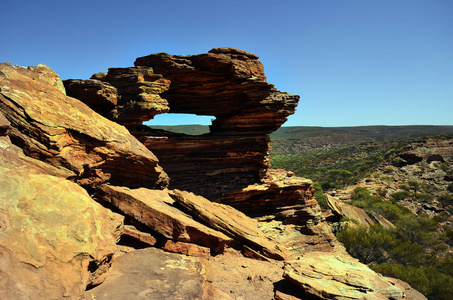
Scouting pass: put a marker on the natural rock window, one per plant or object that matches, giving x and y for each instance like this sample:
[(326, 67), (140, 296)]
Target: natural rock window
[(189, 124)]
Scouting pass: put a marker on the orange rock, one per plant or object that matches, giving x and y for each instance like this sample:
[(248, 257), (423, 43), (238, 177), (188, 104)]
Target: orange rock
[(155, 209), (54, 239), (64, 132)]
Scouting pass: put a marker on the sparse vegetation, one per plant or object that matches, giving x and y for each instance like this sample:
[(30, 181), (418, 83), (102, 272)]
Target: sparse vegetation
[(413, 252), (418, 251)]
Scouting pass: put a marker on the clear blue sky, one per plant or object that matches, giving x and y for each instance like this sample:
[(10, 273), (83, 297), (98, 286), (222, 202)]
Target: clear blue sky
[(362, 62)]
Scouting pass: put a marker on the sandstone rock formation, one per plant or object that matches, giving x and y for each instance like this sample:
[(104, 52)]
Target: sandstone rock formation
[(226, 83), (154, 274), (56, 240), (64, 132), (364, 218), (338, 276)]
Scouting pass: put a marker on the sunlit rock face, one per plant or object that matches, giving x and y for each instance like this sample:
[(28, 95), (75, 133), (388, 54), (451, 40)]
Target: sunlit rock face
[(229, 84), (230, 164)]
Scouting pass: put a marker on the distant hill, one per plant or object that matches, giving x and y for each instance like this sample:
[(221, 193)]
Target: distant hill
[(187, 129), (301, 139)]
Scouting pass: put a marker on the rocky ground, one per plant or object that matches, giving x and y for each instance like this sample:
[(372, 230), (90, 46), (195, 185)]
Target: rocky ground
[(89, 211)]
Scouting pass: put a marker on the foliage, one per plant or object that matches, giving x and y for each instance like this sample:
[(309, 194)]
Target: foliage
[(319, 195), (335, 168), (400, 195), (367, 245), (362, 198), (414, 184), (402, 253), (428, 280), (450, 187)]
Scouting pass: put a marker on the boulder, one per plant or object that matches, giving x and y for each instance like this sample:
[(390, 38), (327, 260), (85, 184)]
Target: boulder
[(64, 132), (338, 276), (280, 196), (128, 96), (100, 96), (230, 221), (156, 209), (54, 239), (365, 219)]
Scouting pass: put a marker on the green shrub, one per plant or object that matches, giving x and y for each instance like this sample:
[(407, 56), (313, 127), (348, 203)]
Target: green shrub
[(320, 196), (368, 245), (359, 204), (414, 184), (347, 219), (426, 279), (404, 187), (445, 199), (439, 219), (400, 195), (450, 187)]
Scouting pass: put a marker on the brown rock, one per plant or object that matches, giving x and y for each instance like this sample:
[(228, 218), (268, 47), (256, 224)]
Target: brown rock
[(155, 209), (186, 248), (229, 84), (42, 74), (244, 278), (300, 239), (54, 239), (409, 292), (92, 92), (349, 211), (144, 237), (338, 276), (152, 274), (230, 221), (64, 132), (128, 96), (280, 196), (4, 124)]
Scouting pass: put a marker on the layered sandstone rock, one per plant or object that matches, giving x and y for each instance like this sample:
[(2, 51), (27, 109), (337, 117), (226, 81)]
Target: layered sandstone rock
[(154, 274), (54, 239), (228, 163), (338, 276), (155, 209), (128, 96), (366, 219), (64, 132), (229, 84)]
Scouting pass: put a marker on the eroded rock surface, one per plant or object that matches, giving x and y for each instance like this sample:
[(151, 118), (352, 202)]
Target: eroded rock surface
[(54, 239), (227, 83), (62, 131), (155, 209), (65, 240), (153, 274), (338, 276)]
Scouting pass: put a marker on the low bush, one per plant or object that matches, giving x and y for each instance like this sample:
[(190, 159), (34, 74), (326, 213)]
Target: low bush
[(400, 195)]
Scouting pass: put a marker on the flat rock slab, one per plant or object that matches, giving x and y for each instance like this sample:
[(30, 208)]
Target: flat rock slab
[(155, 209), (231, 222), (338, 276), (152, 274)]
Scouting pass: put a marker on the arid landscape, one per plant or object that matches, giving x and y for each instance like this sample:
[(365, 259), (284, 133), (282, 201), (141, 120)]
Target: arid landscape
[(96, 205)]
